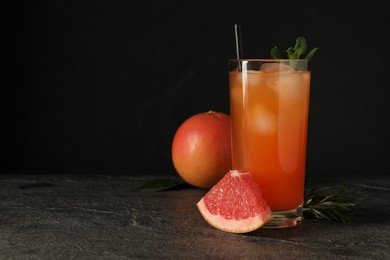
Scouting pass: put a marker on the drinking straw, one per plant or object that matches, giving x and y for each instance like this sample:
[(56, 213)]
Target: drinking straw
[(237, 32)]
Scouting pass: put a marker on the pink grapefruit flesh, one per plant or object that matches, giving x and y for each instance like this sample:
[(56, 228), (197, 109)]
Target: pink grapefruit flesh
[(235, 204)]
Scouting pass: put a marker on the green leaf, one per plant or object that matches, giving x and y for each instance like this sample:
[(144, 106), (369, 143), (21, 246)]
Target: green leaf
[(294, 64), (300, 47), (325, 203), (298, 42), (298, 52), (158, 185), (290, 53), (311, 53), (275, 53)]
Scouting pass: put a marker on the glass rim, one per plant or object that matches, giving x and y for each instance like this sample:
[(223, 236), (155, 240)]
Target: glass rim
[(267, 60)]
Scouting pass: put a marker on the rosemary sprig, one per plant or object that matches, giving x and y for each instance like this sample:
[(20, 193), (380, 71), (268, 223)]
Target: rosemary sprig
[(325, 203), (321, 203)]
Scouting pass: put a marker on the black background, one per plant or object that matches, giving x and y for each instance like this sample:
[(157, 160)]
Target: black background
[(100, 87)]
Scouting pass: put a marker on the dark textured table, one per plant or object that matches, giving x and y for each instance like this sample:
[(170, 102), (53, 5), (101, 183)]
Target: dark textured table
[(99, 217)]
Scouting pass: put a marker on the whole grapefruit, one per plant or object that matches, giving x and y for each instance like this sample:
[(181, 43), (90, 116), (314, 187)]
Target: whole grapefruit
[(201, 149)]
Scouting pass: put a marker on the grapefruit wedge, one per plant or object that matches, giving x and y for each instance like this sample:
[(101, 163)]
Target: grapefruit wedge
[(235, 204)]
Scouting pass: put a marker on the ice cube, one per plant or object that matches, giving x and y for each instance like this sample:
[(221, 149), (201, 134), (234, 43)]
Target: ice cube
[(236, 94), (240, 83), (276, 67), (255, 78), (261, 120), (292, 88), (235, 81)]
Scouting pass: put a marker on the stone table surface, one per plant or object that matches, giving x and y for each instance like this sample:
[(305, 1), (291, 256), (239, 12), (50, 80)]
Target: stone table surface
[(100, 217)]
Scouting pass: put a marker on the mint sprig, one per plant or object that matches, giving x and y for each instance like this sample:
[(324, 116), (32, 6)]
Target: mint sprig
[(297, 52)]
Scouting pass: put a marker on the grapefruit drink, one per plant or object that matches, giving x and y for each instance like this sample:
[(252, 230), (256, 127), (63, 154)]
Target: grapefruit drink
[(269, 101)]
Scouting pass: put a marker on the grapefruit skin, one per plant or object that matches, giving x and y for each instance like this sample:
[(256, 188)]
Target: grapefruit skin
[(201, 149), (235, 204)]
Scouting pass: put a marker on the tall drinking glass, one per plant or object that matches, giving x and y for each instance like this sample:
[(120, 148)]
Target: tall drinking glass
[(269, 102)]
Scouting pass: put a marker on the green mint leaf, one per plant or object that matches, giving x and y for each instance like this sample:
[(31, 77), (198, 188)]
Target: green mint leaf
[(300, 42), (311, 53), (275, 53), (300, 47), (294, 63), (290, 53), (297, 52), (300, 51), (158, 185)]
